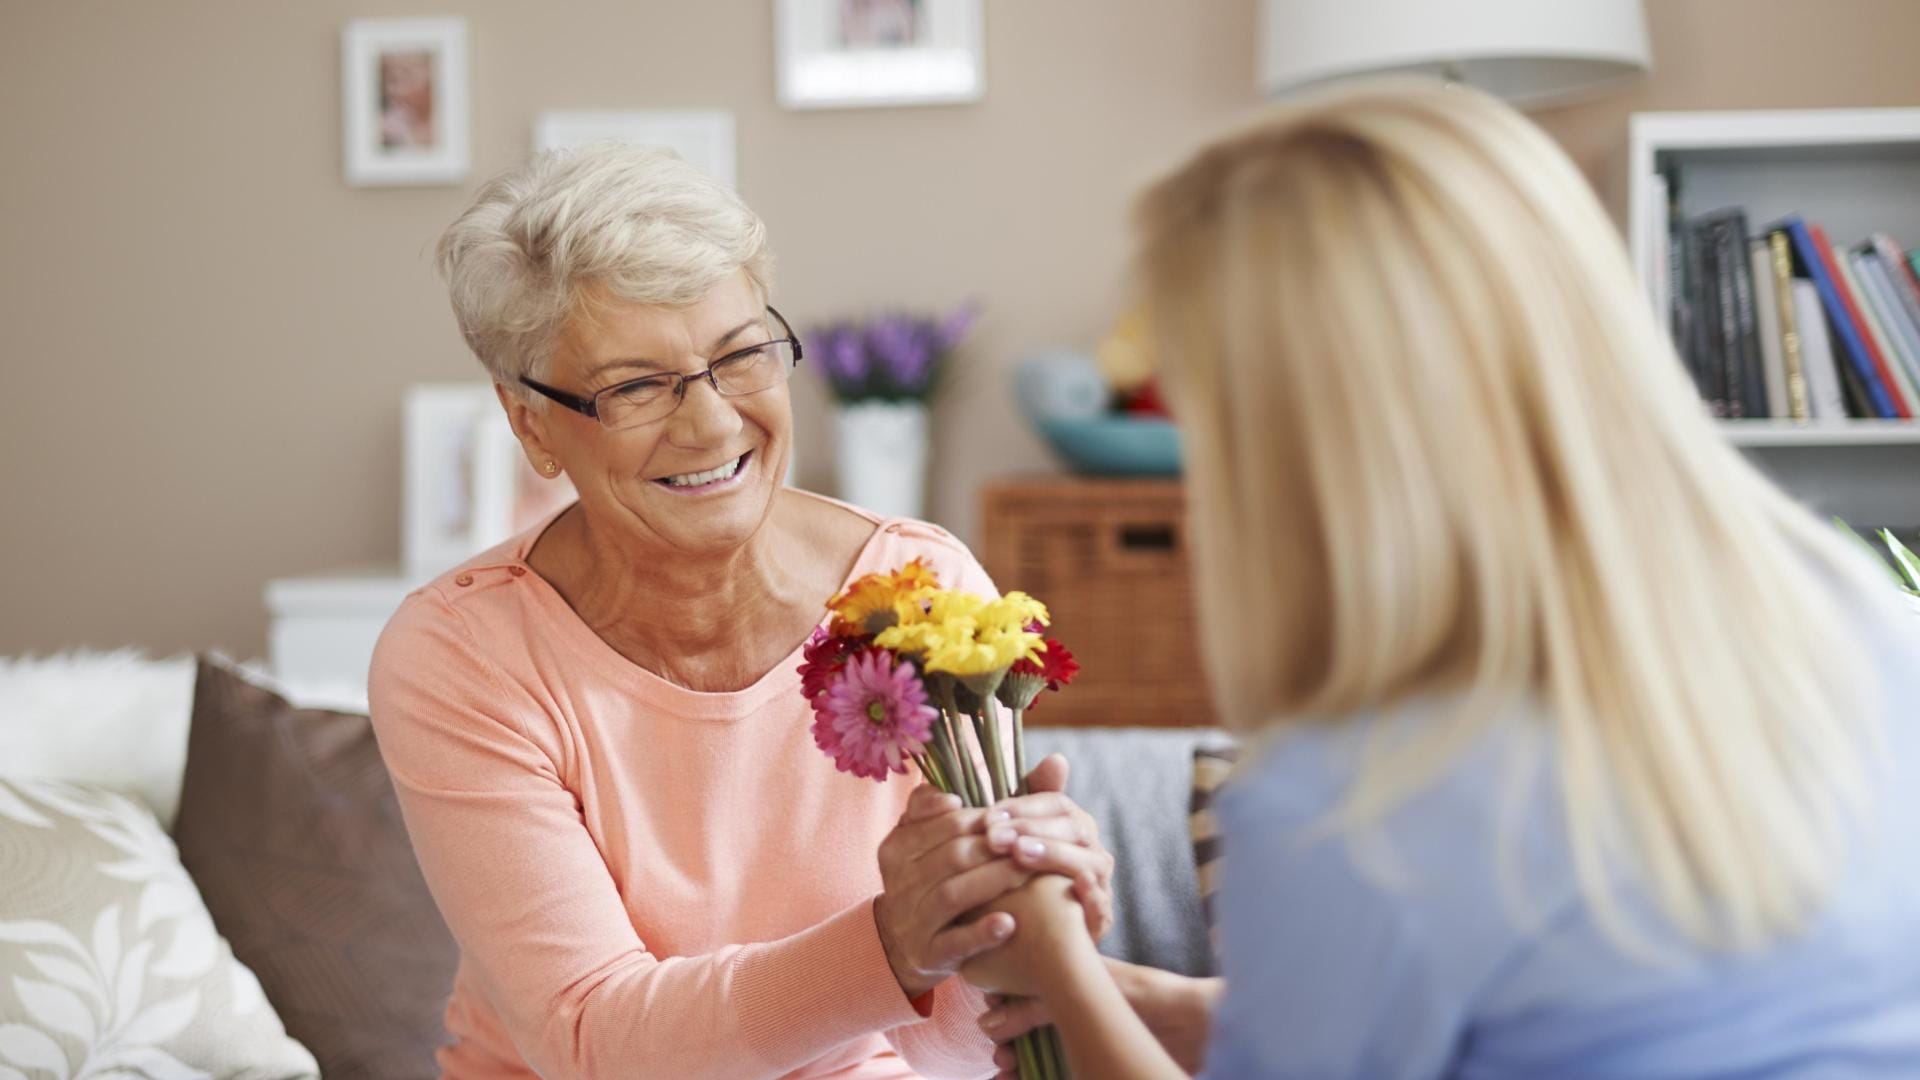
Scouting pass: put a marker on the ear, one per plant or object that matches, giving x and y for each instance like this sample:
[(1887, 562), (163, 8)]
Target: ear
[(529, 427)]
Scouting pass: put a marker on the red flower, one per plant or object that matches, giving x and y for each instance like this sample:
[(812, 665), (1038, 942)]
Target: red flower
[(1056, 665), (826, 653), (1054, 669)]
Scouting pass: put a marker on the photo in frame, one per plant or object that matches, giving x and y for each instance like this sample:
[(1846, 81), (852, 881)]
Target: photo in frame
[(704, 137), (468, 485), (853, 53), (404, 111)]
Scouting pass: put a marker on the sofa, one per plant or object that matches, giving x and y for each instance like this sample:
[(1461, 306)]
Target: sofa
[(199, 877)]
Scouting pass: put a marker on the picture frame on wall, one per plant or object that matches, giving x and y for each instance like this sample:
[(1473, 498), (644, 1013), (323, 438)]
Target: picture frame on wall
[(862, 53), (404, 101), (704, 137), (468, 485)]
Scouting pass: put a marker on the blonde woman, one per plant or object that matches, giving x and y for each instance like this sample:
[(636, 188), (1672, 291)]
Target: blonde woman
[(1585, 752)]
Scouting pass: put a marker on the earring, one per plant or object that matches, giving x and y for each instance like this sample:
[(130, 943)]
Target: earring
[(552, 468)]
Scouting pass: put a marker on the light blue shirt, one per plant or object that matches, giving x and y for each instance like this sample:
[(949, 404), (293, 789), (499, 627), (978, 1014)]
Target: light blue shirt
[(1334, 971)]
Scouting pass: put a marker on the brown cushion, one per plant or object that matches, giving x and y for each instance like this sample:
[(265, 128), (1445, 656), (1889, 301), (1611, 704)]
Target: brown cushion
[(1211, 764), (289, 826)]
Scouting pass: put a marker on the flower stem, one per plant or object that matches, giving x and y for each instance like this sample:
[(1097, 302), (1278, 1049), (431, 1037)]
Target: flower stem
[(943, 753), (1030, 1067), (930, 768), (1056, 1055), (986, 723), (1020, 749), (976, 795)]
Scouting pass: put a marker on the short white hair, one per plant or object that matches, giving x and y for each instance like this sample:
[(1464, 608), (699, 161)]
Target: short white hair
[(626, 222)]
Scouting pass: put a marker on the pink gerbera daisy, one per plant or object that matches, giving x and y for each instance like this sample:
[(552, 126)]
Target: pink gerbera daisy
[(873, 716)]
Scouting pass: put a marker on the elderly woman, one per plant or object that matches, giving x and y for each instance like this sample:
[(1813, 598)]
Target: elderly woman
[(596, 728)]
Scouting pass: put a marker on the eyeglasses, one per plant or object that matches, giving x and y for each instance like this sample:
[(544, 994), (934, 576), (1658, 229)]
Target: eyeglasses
[(655, 397)]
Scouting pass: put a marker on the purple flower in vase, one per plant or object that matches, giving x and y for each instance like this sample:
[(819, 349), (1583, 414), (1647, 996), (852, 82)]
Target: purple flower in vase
[(905, 350), (842, 353), (892, 357)]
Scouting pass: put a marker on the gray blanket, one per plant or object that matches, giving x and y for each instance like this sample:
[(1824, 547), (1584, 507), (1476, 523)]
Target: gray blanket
[(1136, 782)]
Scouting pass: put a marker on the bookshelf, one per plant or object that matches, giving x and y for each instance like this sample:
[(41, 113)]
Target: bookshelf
[(1821, 433), (1856, 171)]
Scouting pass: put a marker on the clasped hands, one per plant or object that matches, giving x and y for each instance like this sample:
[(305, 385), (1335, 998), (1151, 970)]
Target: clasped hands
[(960, 882)]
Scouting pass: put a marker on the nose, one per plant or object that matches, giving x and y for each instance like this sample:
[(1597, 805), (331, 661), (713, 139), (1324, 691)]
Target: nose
[(705, 417)]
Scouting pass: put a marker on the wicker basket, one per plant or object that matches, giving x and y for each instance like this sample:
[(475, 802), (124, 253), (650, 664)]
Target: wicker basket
[(1109, 558)]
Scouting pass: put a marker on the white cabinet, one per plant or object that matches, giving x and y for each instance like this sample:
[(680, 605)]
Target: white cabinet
[(322, 629)]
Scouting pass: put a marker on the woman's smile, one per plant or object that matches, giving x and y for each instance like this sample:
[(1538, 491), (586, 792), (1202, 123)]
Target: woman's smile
[(727, 474)]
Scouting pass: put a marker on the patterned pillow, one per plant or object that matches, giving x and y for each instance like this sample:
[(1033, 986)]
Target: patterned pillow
[(109, 963), (1211, 764)]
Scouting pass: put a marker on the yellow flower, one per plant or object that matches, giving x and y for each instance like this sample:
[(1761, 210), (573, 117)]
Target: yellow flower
[(878, 601), (953, 608), (964, 635), (1014, 612), (918, 638), (972, 654)]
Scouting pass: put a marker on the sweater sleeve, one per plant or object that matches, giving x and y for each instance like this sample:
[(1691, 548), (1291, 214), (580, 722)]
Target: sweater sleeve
[(542, 929), (948, 1045)]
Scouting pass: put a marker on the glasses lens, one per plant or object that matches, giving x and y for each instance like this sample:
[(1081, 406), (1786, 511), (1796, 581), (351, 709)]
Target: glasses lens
[(750, 372), (635, 402)]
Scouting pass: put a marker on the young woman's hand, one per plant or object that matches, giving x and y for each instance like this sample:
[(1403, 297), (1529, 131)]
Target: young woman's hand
[(943, 863), (1047, 832), (1049, 931), (1177, 1009)]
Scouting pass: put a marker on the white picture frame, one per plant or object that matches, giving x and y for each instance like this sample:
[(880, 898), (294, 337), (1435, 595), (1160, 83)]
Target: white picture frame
[(836, 54), (467, 484), (404, 101), (704, 137)]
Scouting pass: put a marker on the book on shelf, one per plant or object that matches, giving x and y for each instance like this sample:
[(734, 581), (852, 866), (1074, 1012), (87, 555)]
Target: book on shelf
[(1773, 363), (1879, 336), (1825, 400), (1780, 268), (1899, 338), (1779, 322), (1905, 284), (1843, 316)]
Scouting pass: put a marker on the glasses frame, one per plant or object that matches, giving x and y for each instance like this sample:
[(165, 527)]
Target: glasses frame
[(589, 407)]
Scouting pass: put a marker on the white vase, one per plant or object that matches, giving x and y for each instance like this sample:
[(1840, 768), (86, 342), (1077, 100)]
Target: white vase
[(883, 457)]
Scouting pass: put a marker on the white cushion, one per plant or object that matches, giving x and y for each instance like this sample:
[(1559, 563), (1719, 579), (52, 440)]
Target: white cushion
[(114, 719)]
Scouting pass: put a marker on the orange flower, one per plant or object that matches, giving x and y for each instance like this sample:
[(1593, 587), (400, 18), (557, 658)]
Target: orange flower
[(878, 601)]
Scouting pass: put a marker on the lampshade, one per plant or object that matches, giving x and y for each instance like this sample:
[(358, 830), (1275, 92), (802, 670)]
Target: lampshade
[(1526, 51)]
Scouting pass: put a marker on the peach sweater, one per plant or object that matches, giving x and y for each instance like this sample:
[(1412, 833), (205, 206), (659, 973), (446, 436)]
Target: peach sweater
[(646, 881)]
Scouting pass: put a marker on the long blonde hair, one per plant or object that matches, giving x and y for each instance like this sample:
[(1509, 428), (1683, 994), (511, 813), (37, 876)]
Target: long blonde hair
[(1438, 445)]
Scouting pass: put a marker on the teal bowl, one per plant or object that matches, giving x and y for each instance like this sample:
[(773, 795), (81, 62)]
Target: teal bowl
[(1115, 445)]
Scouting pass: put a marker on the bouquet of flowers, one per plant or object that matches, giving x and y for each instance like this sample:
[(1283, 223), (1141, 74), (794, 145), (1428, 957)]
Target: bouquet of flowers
[(908, 671), (892, 357)]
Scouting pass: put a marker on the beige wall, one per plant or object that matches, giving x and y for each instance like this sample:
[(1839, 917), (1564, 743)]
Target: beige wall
[(208, 333)]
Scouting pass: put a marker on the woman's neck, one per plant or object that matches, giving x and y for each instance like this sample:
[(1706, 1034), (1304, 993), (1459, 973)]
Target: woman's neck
[(715, 621)]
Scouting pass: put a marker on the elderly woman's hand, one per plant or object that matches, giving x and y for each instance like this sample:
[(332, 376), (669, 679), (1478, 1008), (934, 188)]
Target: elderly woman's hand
[(1046, 832)]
